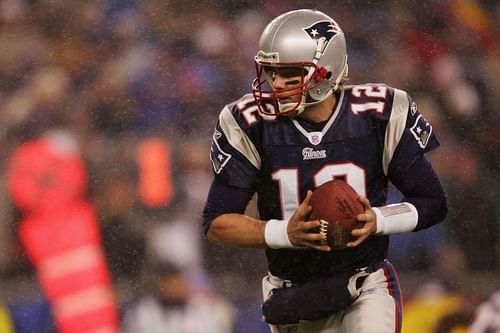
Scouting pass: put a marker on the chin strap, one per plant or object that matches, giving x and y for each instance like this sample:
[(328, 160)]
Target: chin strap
[(286, 107)]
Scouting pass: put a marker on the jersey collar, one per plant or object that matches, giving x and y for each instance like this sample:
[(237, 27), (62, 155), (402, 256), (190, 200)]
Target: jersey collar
[(315, 137)]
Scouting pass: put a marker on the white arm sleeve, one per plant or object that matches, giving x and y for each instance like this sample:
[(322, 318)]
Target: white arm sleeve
[(396, 219), (276, 234)]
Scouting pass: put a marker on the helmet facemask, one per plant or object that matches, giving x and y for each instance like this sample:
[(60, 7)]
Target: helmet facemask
[(310, 77)]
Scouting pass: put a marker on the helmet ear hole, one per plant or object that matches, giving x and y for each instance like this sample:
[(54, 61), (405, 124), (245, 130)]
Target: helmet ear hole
[(328, 75), (321, 74)]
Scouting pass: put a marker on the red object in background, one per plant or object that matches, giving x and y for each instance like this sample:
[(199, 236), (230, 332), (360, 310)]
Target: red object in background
[(45, 174), (47, 181), (155, 181), (64, 246), (424, 45)]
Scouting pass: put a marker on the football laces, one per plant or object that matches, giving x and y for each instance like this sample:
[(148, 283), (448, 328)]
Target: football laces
[(323, 230)]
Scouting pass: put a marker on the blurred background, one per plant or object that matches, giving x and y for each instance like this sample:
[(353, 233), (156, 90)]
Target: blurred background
[(106, 113)]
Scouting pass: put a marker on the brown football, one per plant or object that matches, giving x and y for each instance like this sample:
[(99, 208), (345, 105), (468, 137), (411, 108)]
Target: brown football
[(337, 203)]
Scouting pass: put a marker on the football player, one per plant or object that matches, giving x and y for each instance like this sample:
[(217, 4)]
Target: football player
[(302, 126)]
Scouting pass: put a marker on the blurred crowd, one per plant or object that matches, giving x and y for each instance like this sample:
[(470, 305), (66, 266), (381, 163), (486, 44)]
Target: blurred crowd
[(114, 78)]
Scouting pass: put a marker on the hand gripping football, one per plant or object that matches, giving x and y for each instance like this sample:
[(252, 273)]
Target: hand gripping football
[(337, 205)]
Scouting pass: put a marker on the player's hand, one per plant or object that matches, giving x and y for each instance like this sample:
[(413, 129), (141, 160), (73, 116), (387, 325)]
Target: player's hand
[(370, 223), (302, 232)]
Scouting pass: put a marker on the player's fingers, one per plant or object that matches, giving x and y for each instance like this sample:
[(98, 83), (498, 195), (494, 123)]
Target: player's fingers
[(317, 245), (307, 198), (365, 202), (304, 209), (324, 248), (309, 225), (364, 217), (314, 237), (360, 232), (305, 203), (358, 241)]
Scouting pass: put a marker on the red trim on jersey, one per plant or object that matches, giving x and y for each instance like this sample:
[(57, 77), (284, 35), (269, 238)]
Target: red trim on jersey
[(391, 279)]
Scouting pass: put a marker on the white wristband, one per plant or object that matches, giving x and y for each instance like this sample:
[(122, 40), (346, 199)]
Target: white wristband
[(276, 234), (396, 219)]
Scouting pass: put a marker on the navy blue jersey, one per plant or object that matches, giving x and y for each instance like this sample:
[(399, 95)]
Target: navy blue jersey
[(373, 136)]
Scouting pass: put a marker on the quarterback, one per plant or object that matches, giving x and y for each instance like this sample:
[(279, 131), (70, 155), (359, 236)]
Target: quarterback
[(301, 126)]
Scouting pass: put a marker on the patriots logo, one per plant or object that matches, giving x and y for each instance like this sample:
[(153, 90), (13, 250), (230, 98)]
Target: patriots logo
[(218, 157), (323, 29), (421, 131)]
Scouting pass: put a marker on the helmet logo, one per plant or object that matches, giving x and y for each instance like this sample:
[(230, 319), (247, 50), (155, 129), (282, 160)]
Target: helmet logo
[(325, 29)]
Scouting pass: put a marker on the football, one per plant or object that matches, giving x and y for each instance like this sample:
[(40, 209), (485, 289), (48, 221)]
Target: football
[(336, 203)]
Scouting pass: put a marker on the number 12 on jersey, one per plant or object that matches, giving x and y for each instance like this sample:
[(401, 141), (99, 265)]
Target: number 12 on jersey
[(288, 182)]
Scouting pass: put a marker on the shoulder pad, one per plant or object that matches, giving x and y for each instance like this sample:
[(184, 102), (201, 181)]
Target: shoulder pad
[(246, 112)]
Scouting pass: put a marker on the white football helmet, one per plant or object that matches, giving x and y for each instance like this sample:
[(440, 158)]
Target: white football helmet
[(307, 39)]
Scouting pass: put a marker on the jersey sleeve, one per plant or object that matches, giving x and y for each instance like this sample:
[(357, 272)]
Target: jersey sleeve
[(235, 159), (236, 165), (408, 135)]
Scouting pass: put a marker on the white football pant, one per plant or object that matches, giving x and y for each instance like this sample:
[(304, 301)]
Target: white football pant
[(377, 309)]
